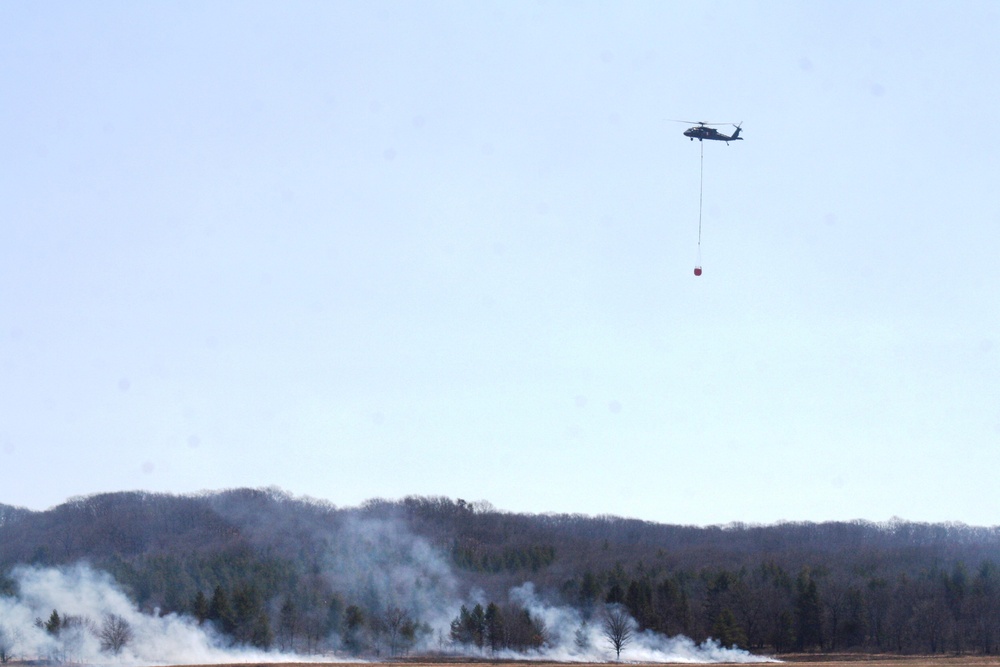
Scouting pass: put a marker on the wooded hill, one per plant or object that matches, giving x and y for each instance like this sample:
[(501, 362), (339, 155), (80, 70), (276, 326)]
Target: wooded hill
[(268, 568)]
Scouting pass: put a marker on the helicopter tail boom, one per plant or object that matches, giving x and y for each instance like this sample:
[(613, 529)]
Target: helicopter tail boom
[(736, 135)]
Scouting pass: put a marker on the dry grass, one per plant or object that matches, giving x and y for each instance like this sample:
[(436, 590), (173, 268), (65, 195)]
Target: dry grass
[(844, 660), (882, 660)]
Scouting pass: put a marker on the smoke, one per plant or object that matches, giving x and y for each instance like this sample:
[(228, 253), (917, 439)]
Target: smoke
[(573, 638), (85, 599), (377, 564), (381, 564)]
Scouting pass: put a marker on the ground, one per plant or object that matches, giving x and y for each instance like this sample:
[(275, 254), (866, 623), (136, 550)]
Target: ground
[(842, 660)]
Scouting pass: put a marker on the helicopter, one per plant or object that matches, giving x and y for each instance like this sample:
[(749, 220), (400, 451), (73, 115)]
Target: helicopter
[(702, 131)]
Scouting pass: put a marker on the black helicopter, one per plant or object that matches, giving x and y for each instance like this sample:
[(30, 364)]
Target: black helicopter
[(702, 131)]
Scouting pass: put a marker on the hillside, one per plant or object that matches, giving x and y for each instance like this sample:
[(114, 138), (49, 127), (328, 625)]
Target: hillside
[(267, 569)]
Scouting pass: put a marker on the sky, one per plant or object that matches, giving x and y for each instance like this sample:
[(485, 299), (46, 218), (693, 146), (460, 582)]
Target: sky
[(359, 250)]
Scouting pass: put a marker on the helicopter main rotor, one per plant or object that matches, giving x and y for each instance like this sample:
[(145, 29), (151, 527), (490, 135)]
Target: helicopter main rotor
[(699, 122)]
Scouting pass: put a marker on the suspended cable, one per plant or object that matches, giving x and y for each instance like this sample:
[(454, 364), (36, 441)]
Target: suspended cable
[(701, 192), (701, 196)]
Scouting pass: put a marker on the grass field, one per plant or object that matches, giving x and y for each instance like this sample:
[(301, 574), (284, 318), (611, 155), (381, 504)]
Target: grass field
[(847, 660)]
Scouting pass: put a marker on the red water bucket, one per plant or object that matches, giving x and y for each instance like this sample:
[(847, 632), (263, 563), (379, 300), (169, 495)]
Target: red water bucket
[(697, 270)]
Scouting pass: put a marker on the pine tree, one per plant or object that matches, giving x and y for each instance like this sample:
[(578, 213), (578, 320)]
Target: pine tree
[(493, 626), (354, 621), (727, 631), (478, 625), (288, 621), (808, 613), (200, 607), (334, 615), (260, 631), (54, 624), (639, 601), (220, 611), (249, 616), (590, 590)]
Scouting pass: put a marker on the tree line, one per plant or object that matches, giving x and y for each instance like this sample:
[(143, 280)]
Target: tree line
[(766, 608), (496, 628), (256, 565), (68, 633)]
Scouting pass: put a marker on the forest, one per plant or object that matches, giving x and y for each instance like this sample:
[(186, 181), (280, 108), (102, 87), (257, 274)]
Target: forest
[(266, 569)]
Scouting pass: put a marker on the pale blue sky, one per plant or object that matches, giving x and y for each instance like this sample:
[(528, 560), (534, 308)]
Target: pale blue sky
[(366, 249)]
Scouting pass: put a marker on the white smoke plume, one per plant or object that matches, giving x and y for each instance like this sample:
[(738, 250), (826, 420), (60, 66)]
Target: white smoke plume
[(571, 638), (380, 563), (89, 597), (377, 563)]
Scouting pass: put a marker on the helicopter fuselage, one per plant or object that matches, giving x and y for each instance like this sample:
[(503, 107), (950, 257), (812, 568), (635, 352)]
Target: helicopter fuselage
[(702, 132)]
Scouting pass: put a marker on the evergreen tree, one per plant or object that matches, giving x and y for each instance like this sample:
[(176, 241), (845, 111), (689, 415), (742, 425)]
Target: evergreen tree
[(853, 628), (354, 622), (396, 621), (478, 625), (469, 627), (615, 594), (590, 590), (408, 634), (493, 627), (260, 631), (459, 627), (783, 637), (955, 590), (581, 638), (727, 631), (669, 608), (54, 624), (334, 615), (249, 615), (220, 611), (639, 602), (288, 621), (808, 613), (200, 607)]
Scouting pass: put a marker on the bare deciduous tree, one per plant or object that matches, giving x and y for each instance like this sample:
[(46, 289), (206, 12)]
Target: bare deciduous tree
[(618, 628), (115, 633), (396, 620), (8, 642), (288, 625)]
